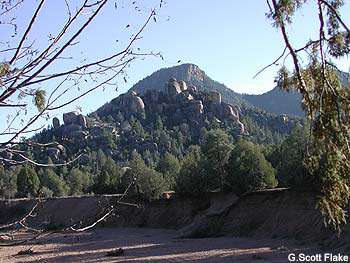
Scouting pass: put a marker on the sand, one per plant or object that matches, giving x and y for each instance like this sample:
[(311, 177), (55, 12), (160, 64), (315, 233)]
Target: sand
[(150, 245)]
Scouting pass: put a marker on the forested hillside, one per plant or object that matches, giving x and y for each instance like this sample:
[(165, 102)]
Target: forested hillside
[(156, 132)]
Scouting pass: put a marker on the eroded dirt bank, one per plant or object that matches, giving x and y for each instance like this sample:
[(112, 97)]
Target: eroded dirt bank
[(267, 215)]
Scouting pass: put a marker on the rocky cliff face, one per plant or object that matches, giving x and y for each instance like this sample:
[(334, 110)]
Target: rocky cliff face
[(184, 103)]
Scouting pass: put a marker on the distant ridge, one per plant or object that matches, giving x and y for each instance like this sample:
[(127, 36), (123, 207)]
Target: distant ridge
[(282, 102), (277, 101)]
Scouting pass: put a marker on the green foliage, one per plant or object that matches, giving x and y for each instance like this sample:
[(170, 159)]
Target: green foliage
[(159, 123), (216, 150), (51, 181), (169, 166), (8, 183), (27, 182), (291, 169), (326, 101), (46, 192), (248, 170), (4, 69), (79, 181), (108, 176), (191, 180), (145, 182)]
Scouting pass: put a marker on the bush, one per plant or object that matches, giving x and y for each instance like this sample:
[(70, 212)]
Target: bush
[(248, 170)]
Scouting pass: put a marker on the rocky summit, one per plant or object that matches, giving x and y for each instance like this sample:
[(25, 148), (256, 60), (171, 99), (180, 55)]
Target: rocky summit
[(184, 103), (165, 112)]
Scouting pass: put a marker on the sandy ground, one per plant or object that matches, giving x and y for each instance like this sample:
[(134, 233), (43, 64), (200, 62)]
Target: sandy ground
[(149, 245)]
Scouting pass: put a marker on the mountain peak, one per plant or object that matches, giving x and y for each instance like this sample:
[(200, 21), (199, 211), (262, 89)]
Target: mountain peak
[(192, 75), (188, 72)]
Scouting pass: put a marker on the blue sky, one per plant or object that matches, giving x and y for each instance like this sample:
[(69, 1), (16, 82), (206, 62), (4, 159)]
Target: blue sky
[(229, 40)]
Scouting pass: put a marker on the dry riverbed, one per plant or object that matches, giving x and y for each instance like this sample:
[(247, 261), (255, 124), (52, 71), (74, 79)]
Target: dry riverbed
[(149, 245)]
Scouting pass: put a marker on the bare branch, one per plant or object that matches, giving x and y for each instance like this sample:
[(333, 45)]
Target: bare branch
[(271, 64), (27, 31)]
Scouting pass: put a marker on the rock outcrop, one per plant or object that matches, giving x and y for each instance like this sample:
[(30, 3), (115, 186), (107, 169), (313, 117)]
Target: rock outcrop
[(174, 87), (56, 123), (128, 102), (75, 118), (183, 85), (214, 96)]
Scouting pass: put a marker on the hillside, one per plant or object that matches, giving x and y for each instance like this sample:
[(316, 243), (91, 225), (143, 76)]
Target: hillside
[(143, 128), (277, 101), (281, 102), (186, 106)]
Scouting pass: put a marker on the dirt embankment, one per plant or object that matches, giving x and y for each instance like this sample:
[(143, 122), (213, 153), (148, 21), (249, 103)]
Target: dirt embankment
[(268, 214)]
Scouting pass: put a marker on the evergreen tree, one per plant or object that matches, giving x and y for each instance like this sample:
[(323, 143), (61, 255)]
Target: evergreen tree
[(291, 168), (191, 180), (8, 182), (216, 150), (78, 181), (169, 166), (146, 183), (49, 179), (27, 182), (248, 170)]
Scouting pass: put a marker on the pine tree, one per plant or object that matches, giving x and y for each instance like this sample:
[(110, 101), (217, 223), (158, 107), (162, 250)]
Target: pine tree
[(27, 182)]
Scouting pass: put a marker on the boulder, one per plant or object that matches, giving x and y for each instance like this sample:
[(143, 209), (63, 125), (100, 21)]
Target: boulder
[(60, 148), (136, 104), (128, 102), (242, 128), (228, 111), (132, 93), (214, 96), (74, 117), (184, 97), (55, 123), (195, 106), (70, 117), (53, 153), (183, 85), (81, 120), (285, 118), (192, 89), (173, 87)]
